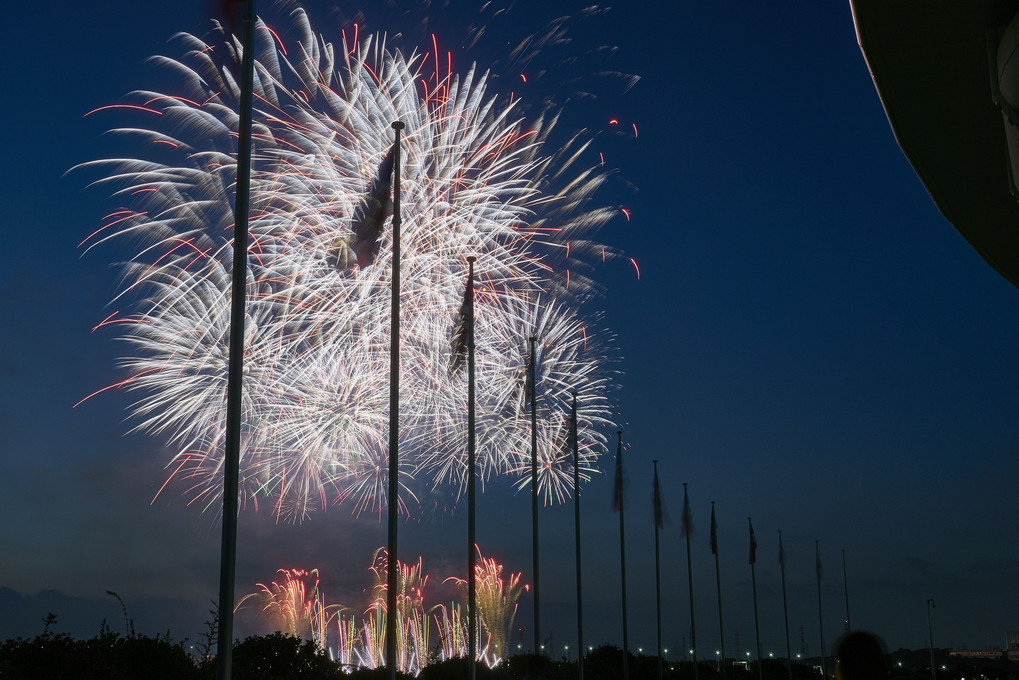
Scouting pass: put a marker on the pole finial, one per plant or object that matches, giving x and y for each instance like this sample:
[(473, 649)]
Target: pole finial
[(472, 258), (398, 125)]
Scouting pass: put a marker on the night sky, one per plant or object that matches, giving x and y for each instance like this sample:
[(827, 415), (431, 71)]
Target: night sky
[(808, 343)]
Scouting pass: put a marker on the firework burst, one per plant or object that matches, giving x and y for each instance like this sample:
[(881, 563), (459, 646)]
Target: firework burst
[(481, 178), (296, 605)]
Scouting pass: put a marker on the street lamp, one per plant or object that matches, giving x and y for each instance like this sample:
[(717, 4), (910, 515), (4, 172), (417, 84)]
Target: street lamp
[(930, 636)]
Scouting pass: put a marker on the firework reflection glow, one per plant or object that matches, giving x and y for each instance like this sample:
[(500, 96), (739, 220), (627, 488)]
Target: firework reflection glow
[(480, 178)]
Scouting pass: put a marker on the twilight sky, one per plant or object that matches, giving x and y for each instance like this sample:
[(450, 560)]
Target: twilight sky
[(809, 343)]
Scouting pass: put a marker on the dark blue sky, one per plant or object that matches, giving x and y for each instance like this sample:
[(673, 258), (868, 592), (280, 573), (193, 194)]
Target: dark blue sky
[(809, 343)]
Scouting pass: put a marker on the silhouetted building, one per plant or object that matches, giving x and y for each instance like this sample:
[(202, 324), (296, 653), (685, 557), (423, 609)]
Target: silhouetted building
[(947, 73)]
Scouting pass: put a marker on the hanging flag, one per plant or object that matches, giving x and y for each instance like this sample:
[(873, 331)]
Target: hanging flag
[(714, 531), (232, 14), (463, 328), (781, 551), (617, 487), (753, 542), (371, 213), (687, 528), (571, 433), (657, 494), (529, 371), (817, 548)]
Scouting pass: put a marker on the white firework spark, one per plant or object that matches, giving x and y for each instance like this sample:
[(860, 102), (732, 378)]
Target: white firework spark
[(479, 179)]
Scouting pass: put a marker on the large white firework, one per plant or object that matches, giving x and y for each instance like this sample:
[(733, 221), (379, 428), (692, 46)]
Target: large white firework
[(479, 178)]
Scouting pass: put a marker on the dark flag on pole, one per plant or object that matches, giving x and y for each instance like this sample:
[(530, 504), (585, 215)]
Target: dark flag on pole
[(781, 551), (532, 368), (817, 548), (370, 214), (232, 14), (462, 332), (687, 528), (617, 487), (714, 531), (753, 544), (657, 495)]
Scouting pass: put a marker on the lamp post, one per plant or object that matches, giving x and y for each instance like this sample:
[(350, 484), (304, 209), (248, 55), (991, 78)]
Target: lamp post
[(930, 636)]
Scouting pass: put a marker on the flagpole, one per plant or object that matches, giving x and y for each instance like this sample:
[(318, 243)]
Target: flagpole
[(392, 563), (688, 529), (718, 586), (657, 499), (753, 580), (845, 583), (785, 607), (820, 617), (534, 498), (622, 550), (235, 360), (576, 517), (472, 585)]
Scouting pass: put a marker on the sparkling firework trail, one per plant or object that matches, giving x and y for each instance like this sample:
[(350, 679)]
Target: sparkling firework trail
[(481, 178)]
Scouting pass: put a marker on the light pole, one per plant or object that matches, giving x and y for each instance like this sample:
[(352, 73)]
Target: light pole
[(930, 636)]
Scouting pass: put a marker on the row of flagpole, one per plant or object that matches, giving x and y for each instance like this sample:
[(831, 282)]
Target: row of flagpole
[(465, 332), (687, 530)]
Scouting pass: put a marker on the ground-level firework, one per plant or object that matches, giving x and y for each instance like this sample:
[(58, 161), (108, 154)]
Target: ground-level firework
[(480, 179), (296, 606)]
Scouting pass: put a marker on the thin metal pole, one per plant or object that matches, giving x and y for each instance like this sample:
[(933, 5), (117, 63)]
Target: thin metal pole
[(785, 607), (235, 361), (930, 637), (688, 529), (576, 518), (845, 583), (718, 586), (534, 498), (472, 580), (392, 561), (820, 616), (753, 581), (658, 570), (622, 552)]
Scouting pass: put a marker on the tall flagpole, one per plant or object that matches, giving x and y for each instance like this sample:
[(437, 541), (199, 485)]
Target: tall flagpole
[(576, 518), (845, 583), (820, 617), (392, 563), (235, 361), (785, 607), (534, 497), (472, 581), (753, 580), (687, 530), (618, 501), (659, 520), (718, 585)]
